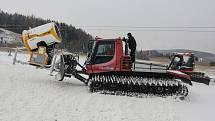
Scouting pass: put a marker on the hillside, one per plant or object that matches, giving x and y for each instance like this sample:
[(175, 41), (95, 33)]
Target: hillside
[(9, 37), (206, 56), (147, 54), (74, 39)]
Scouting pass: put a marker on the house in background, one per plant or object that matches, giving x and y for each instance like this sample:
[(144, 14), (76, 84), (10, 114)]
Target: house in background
[(9, 38)]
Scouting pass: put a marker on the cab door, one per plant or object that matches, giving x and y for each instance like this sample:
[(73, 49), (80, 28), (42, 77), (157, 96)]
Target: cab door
[(102, 58)]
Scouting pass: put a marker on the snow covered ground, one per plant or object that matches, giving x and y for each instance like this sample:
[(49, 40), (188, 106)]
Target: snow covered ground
[(30, 94)]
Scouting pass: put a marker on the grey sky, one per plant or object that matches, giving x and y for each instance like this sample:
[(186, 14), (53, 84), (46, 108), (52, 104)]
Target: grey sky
[(139, 13)]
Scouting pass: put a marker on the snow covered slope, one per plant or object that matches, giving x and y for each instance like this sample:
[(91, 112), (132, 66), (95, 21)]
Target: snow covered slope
[(30, 94)]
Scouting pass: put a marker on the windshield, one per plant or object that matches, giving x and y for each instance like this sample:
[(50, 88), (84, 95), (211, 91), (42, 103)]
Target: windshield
[(182, 61), (102, 52), (105, 49), (188, 61), (176, 59)]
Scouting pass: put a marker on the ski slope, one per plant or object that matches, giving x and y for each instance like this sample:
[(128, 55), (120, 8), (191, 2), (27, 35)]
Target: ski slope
[(30, 94)]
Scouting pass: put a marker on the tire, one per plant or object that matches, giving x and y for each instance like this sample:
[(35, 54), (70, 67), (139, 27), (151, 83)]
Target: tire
[(61, 74), (159, 89)]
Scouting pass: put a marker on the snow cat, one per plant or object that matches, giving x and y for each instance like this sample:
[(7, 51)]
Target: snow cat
[(185, 62), (108, 68)]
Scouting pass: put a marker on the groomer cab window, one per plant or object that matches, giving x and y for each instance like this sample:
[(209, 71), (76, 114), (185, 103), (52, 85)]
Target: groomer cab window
[(188, 61), (104, 51)]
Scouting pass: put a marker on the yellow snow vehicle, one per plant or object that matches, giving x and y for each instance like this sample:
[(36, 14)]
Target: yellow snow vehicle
[(40, 42)]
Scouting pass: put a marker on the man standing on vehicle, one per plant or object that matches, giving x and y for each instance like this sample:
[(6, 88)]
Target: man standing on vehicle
[(132, 46)]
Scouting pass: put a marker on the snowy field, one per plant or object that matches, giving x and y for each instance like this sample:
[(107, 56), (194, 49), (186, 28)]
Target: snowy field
[(30, 94)]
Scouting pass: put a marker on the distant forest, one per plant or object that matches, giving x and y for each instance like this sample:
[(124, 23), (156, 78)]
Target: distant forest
[(74, 39)]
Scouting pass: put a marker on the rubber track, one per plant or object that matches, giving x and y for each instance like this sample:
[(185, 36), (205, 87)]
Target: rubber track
[(135, 86)]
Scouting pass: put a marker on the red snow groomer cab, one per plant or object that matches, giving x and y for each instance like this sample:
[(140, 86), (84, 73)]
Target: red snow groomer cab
[(107, 55)]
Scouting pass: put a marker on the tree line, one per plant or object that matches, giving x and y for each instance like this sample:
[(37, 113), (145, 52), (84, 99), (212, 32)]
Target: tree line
[(74, 39), (147, 54)]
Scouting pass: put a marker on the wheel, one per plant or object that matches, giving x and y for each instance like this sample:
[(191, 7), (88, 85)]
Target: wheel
[(159, 89), (180, 90), (128, 88), (60, 75), (90, 86), (52, 69), (112, 86), (97, 85), (185, 91), (144, 89)]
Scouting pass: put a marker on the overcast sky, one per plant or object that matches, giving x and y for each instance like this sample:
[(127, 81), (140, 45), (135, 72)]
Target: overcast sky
[(132, 13)]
